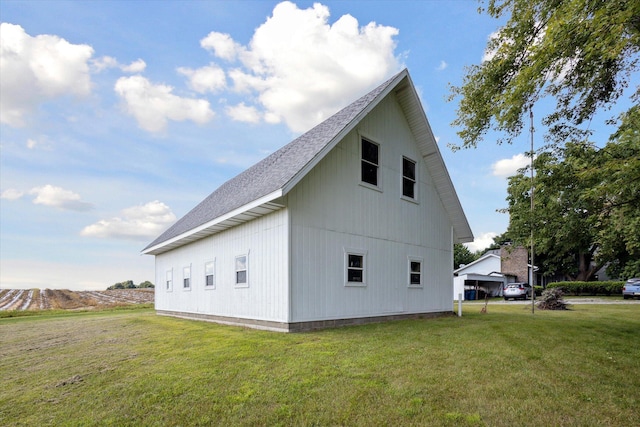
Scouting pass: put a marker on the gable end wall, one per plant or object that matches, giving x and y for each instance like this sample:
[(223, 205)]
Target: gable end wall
[(331, 212)]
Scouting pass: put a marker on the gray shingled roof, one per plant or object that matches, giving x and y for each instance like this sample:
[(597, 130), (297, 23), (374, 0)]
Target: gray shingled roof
[(273, 172)]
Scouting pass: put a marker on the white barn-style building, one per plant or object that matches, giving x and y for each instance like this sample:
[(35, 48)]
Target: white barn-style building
[(352, 222)]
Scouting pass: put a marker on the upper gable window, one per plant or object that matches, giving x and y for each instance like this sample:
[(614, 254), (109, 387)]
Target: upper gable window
[(370, 162), (408, 178)]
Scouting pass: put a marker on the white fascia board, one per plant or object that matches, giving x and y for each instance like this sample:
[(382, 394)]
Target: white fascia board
[(479, 260), (435, 161), (262, 200)]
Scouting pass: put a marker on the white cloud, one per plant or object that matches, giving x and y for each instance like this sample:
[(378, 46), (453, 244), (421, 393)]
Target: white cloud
[(153, 105), (303, 68), (481, 242), (105, 62), (137, 222), (11, 194), (36, 69), (492, 49), (49, 195), (222, 45), (36, 273), (509, 167), (244, 113), (206, 79), (136, 66), (443, 65), (42, 143)]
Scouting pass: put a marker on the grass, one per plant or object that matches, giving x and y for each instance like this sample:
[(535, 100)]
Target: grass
[(503, 368), (57, 311)]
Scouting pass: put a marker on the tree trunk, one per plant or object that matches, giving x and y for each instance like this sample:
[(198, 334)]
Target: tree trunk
[(585, 270)]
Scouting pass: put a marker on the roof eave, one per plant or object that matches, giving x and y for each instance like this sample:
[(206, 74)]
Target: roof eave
[(477, 261), (255, 209), (419, 124)]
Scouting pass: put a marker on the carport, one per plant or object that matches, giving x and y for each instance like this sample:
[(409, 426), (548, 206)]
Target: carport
[(475, 286)]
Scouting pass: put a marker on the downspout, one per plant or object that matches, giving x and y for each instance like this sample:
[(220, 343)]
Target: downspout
[(289, 266)]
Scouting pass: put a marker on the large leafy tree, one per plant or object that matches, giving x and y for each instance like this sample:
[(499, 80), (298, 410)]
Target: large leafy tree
[(462, 255), (587, 206), (582, 53), (616, 172), (563, 221)]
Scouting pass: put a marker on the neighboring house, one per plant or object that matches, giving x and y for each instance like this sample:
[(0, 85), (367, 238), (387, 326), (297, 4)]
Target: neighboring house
[(491, 272), (352, 222), (483, 273)]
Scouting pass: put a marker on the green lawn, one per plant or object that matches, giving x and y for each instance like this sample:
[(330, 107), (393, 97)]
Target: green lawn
[(503, 368)]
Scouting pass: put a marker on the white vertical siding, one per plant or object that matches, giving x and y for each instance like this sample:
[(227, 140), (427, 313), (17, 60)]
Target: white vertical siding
[(331, 211), (458, 286), (265, 240)]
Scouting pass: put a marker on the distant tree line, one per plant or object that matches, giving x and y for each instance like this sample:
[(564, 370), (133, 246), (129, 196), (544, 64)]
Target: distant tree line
[(128, 284)]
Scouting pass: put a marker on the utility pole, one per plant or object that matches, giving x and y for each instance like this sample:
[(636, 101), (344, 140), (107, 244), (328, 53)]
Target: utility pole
[(533, 273)]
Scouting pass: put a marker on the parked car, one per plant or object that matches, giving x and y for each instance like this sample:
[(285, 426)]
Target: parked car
[(517, 291), (631, 288)]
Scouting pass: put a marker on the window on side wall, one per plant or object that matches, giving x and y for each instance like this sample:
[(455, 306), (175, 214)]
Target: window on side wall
[(209, 275), (408, 178), (369, 162), (186, 278), (355, 268), (415, 272), (169, 281), (242, 271)]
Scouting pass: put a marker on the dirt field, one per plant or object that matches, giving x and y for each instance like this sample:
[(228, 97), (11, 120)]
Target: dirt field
[(63, 299)]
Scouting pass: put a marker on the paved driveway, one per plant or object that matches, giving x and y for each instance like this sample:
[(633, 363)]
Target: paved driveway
[(569, 300)]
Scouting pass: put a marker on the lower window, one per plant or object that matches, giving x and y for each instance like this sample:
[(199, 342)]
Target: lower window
[(355, 268), (209, 274), (242, 276), (415, 272), (186, 277), (169, 280)]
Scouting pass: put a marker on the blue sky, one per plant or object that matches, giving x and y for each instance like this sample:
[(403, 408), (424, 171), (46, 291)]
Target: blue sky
[(119, 117)]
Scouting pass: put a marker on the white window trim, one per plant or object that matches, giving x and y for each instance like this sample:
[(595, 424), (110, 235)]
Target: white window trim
[(378, 187), (363, 254), (185, 277), (235, 271), (213, 285), (411, 259), (415, 185), (168, 280)]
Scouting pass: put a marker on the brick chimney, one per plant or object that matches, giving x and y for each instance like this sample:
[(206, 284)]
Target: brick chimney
[(514, 262)]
